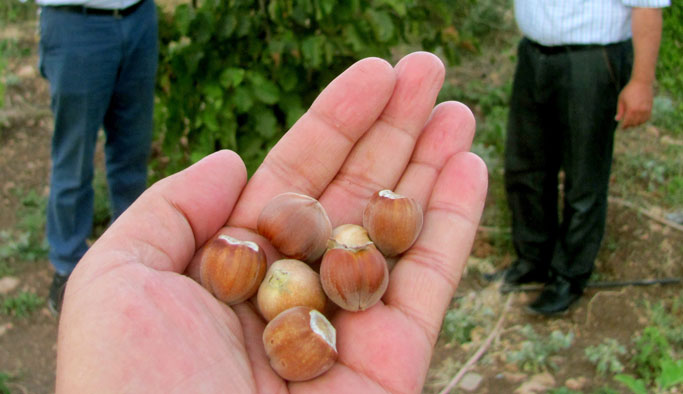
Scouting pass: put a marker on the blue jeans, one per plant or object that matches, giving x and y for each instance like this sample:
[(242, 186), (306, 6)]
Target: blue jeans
[(101, 71)]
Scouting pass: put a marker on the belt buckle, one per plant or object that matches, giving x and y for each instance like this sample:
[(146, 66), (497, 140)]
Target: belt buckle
[(117, 13)]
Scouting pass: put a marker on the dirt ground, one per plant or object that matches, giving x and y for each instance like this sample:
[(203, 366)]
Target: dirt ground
[(637, 248)]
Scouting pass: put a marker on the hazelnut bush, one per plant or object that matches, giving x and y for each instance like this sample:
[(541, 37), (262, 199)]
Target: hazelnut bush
[(291, 295)]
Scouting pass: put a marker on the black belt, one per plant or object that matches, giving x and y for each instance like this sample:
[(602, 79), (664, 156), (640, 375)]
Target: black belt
[(553, 50), (116, 13)]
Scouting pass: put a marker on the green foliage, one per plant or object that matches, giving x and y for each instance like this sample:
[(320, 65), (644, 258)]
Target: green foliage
[(101, 211), (237, 74), (651, 348), (12, 11), (669, 63), (606, 356), (26, 242), (563, 390), (536, 352), (21, 305), (467, 314), (4, 379), (659, 173), (669, 67), (670, 375), (667, 316)]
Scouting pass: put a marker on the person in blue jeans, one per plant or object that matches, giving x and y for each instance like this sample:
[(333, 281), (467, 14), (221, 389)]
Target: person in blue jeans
[(100, 58)]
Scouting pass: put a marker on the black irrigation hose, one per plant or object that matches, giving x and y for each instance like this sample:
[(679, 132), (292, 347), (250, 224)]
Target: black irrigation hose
[(600, 285)]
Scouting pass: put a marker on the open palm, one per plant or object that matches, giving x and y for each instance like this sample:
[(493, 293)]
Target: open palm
[(134, 320)]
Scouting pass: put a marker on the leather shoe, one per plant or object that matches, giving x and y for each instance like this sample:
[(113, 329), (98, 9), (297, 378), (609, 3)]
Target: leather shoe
[(519, 272), (556, 297)]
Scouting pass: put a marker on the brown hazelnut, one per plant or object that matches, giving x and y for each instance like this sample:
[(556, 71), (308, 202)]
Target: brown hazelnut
[(297, 225), (393, 221), (300, 344), (232, 270), (353, 273), (289, 283)]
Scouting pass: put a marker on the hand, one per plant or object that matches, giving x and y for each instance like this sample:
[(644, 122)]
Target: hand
[(634, 104), (132, 322)]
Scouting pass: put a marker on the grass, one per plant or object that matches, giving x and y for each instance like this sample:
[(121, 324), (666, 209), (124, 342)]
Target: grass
[(26, 241), (22, 305), (4, 379)]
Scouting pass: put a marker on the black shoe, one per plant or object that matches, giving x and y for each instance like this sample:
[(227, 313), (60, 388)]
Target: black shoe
[(519, 272), (556, 297), (57, 287)]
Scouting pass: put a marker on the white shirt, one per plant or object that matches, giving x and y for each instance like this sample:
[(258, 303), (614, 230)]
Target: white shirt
[(105, 4), (566, 22)]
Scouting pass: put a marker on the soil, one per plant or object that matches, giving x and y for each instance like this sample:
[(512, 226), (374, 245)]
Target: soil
[(635, 247)]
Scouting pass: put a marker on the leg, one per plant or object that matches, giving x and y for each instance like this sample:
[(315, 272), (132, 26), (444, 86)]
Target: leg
[(531, 161), (128, 122), (589, 139), (80, 70)]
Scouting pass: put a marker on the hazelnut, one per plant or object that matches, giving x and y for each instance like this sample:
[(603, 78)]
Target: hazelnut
[(393, 221), (297, 225), (300, 344), (353, 273), (232, 270), (289, 283)]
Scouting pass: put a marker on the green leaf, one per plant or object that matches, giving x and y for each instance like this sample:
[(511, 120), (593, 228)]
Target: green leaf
[(672, 373), (213, 92), (399, 6), (382, 25), (227, 26), (312, 50), (637, 386), (266, 91), (228, 131), (293, 109), (266, 123), (288, 79), (243, 99), (231, 77), (182, 18)]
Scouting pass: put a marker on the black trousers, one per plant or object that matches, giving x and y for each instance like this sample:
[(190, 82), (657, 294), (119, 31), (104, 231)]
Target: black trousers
[(562, 110)]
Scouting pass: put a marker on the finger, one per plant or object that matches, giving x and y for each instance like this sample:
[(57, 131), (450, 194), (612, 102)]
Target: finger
[(267, 381), (381, 156), (166, 225), (310, 154), (450, 130), (423, 281)]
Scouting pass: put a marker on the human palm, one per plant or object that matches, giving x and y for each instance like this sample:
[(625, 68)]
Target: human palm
[(135, 320)]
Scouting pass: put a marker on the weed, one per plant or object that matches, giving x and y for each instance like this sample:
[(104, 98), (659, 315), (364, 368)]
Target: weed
[(668, 319), (651, 348), (563, 390), (468, 313), (605, 390), (606, 356), (4, 379), (15, 11), (670, 375), (101, 211), (536, 352), (21, 305), (27, 242)]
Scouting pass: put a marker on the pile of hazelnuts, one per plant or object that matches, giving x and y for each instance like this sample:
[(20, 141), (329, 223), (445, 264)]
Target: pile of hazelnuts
[(346, 266)]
